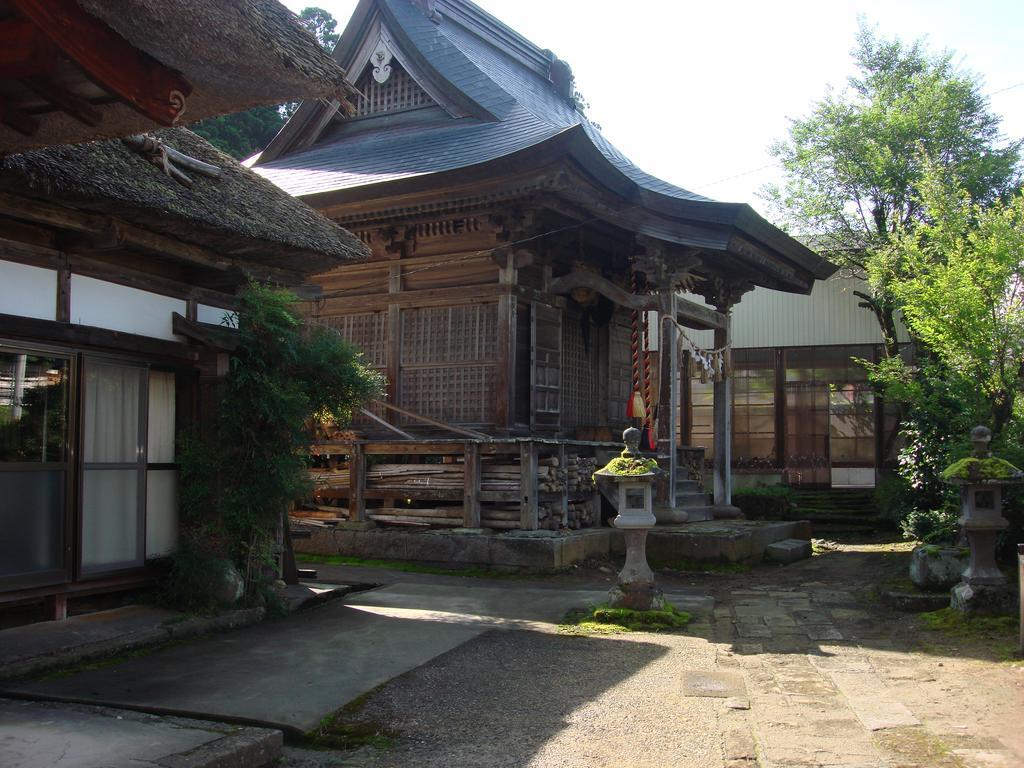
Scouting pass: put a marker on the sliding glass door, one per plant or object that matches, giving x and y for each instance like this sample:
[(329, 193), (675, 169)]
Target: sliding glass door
[(34, 406), (113, 466)]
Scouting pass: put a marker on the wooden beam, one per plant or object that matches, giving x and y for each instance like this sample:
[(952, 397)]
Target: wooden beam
[(390, 427), (17, 119), (433, 422), (149, 87), (61, 97), (698, 313), (608, 289), (216, 337), (124, 234), (49, 258), (28, 328), (26, 52)]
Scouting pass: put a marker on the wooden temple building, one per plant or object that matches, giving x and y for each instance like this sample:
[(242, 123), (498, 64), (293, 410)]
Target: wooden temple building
[(530, 289), (116, 257)]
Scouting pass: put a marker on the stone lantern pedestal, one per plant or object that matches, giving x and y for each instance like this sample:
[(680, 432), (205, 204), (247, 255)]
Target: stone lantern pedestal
[(983, 587), (635, 588)]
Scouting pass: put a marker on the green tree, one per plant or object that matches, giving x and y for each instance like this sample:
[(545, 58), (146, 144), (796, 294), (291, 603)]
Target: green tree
[(854, 165), (322, 25), (958, 279), (240, 473), (246, 133)]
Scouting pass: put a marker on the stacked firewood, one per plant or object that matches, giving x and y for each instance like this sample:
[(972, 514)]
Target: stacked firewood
[(413, 477), (580, 473)]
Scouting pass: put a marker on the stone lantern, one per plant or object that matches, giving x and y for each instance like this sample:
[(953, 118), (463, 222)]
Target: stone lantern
[(981, 477), (634, 476)]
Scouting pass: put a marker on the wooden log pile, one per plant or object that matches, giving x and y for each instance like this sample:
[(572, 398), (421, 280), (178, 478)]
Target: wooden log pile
[(438, 517), (410, 477)]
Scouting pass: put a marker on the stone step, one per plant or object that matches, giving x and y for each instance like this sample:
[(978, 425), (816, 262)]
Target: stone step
[(695, 499), (699, 514)]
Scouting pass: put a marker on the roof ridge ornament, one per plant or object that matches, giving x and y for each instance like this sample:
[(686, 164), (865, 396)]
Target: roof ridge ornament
[(169, 159), (381, 60)]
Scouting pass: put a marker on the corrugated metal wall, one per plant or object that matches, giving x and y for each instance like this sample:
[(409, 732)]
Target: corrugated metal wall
[(829, 315)]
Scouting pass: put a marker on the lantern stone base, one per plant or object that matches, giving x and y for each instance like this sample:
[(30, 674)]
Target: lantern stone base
[(637, 596), (983, 598)]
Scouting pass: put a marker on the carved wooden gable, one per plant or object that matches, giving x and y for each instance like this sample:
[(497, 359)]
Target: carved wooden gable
[(385, 86)]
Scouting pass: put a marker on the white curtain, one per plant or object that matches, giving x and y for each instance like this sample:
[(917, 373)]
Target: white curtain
[(111, 413), (161, 418), (110, 495)]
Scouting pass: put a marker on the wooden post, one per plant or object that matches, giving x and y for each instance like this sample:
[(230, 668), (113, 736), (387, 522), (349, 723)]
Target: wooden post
[(563, 465), (528, 486), (57, 607), (723, 428), (64, 294), (668, 439), (505, 378), (471, 486), (357, 484)]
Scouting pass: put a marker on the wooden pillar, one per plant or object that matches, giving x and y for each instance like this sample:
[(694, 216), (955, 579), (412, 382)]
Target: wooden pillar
[(668, 410), (780, 409), (357, 484), (528, 486), (723, 428), (64, 293), (57, 607), (505, 367), (563, 465), (471, 486), (393, 350)]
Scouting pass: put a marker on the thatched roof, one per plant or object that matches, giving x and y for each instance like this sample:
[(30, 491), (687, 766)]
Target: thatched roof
[(239, 214), (235, 54)]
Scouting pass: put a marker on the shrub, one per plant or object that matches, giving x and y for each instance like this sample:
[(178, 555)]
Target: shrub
[(937, 526), (767, 501)]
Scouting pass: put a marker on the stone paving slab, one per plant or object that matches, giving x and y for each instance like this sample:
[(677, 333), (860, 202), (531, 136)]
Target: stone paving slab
[(34, 734)]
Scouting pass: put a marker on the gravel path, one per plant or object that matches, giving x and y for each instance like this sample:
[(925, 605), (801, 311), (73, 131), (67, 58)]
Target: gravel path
[(797, 667)]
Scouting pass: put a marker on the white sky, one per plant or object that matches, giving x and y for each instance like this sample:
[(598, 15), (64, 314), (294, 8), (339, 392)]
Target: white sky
[(696, 92)]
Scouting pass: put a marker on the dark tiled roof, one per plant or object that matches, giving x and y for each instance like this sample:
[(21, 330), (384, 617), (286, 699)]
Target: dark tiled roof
[(501, 83), (518, 108)]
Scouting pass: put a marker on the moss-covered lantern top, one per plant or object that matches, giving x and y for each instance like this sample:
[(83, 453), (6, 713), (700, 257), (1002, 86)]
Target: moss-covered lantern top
[(981, 466), (630, 465)]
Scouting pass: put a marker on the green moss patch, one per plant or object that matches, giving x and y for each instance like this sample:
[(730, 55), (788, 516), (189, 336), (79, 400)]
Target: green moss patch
[(997, 634), (981, 469), (345, 730), (604, 620), (629, 466)]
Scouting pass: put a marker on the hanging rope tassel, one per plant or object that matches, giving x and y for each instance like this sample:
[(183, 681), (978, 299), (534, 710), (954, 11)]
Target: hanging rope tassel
[(635, 406), (648, 431)]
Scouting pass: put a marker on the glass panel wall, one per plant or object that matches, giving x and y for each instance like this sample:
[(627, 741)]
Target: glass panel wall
[(34, 406)]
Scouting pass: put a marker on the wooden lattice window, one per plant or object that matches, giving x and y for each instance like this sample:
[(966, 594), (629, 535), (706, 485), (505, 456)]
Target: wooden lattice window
[(620, 372), (448, 362), (366, 332), (579, 392), (398, 92)]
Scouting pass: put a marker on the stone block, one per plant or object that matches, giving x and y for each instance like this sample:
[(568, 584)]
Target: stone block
[(983, 599), (788, 550), (936, 569)]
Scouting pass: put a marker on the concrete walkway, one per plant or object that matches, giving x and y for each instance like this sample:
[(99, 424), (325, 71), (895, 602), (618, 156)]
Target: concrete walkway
[(291, 673), (74, 736)]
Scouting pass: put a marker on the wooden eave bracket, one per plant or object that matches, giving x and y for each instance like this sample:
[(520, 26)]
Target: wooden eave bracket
[(145, 84), (686, 309), (217, 337)]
